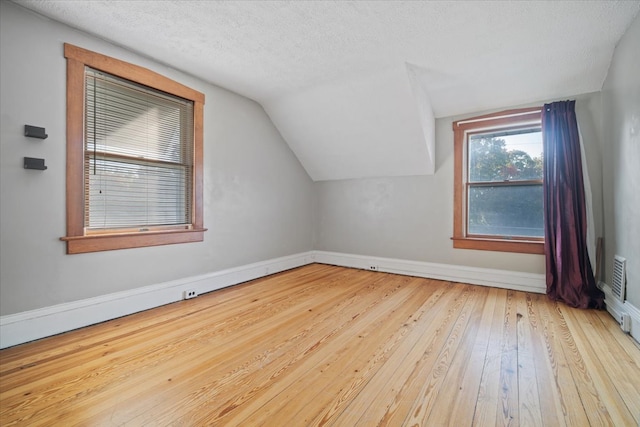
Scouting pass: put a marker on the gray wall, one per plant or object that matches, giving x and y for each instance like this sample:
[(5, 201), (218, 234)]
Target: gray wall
[(412, 217), (621, 159), (257, 197)]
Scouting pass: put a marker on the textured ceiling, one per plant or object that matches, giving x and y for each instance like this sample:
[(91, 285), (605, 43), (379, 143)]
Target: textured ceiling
[(352, 85)]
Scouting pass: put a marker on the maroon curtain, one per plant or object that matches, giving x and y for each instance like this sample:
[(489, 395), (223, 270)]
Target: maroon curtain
[(568, 269)]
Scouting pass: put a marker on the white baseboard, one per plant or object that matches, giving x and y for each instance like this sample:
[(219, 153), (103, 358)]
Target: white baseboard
[(35, 324), (634, 313), (617, 309), (528, 282)]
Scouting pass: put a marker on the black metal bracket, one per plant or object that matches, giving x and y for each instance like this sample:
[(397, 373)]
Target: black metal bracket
[(33, 163), (35, 132)]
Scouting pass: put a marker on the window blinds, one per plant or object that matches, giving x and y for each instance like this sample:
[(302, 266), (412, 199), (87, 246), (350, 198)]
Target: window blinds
[(138, 155)]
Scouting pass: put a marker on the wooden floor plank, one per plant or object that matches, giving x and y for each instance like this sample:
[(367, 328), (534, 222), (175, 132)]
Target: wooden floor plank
[(313, 366), (609, 399), (623, 370), (529, 408), (393, 383), (488, 393), (252, 368), (596, 413), (180, 337), (465, 401), (461, 382), (424, 379), (507, 412), (330, 346), (550, 398), (565, 387), (73, 343), (338, 383), (424, 409)]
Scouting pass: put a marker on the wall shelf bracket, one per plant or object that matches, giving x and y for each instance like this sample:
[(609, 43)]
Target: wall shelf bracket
[(35, 132), (33, 163)]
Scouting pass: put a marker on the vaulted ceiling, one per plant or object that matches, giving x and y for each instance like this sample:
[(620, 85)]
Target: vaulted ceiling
[(354, 86)]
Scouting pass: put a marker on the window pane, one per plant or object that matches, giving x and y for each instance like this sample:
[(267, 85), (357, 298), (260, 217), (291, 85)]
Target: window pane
[(514, 155), (135, 194), (128, 119), (507, 210)]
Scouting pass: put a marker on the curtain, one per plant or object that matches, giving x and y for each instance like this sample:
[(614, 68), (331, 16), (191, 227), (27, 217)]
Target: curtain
[(569, 274)]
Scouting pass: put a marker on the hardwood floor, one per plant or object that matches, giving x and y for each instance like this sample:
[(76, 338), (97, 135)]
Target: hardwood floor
[(323, 345)]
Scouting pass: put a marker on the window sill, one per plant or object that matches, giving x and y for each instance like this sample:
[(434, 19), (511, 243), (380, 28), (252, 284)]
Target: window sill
[(518, 246), (108, 242)]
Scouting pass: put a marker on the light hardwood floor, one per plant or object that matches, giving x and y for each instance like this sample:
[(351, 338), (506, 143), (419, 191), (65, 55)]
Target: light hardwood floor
[(323, 345)]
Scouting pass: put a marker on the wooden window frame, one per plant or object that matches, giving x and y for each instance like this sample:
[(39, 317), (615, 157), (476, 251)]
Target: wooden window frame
[(511, 119), (78, 239)]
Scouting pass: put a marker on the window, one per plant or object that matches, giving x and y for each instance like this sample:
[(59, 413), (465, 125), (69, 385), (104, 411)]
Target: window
[(134, 156), (498, 196)]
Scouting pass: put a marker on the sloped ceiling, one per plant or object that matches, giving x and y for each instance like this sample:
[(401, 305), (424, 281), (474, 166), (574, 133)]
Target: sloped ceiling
[(353, 86)]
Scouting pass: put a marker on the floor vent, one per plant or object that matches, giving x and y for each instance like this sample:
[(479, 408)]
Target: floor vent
[(619, 278)]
